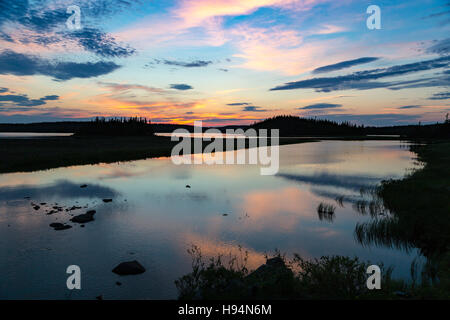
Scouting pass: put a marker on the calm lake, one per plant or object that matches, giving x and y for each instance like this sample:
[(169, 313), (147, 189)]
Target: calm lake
[(154, 218), (31, 135)]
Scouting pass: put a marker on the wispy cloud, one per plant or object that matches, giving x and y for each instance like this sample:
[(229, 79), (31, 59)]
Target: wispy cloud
[(191, 64), (321, 106), (440, 96), (344, 64), (363, 80), (27, 65), (238, 104), (181, 86), (253, 109), (410, 107)]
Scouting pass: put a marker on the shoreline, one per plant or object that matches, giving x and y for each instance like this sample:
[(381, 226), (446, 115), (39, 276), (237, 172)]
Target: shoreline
[(28, 155)]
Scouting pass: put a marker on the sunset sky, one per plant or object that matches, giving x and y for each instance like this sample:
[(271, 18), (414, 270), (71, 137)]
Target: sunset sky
[(225, 61)]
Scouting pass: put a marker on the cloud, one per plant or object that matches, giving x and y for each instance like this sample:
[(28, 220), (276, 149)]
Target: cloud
[(181, 86), (238, 104), (100, 43), (44, 23), (192, 64), (119, 87), (410, 107), (440, 47), (27, 65), (329, 29), (196, 12), (362, 80), (50, 98), (440, 96), (22, 100), (253, 109), (278, 49), (344, 64), (321, 106)]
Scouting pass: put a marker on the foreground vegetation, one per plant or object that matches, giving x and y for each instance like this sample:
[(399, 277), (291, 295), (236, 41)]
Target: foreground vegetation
[(330, 277), (419, 207)]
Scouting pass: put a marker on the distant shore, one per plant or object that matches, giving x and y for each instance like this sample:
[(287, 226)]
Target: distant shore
[(40, 154)]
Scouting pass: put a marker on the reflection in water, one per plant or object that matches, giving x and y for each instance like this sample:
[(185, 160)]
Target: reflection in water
[(154, 218), (352, 182), (60, 189)]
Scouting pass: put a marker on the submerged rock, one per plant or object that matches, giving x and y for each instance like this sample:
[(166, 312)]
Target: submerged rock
[(107, 200), (60, 226), (188, 186), (83, 186), (36, 207), (129, 268), (83, 218)]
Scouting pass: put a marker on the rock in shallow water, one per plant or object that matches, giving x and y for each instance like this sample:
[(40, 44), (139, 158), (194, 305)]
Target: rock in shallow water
[(60, 226), (83, 218), (129, 268)]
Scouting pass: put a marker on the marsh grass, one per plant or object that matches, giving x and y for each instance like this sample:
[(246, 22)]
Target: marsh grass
[(326, 211), (329, 277)]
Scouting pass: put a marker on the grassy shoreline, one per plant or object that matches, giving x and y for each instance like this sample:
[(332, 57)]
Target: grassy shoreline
[(420, 207)]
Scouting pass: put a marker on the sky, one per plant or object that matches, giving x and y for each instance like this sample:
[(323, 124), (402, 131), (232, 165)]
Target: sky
[(224, 61)]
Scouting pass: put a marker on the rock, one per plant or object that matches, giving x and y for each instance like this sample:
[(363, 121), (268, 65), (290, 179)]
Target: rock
[(83, 186), (64, 227), (82, 226), (129, 268), (60, 226), (43, 203), (83, 218), (100, 297), (188, 186), (36, 207), (55, 224), (107, 200), (225, 214), (118, 283)]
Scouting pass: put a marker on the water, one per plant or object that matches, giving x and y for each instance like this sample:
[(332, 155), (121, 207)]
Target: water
[(30, 135), (154, 218)]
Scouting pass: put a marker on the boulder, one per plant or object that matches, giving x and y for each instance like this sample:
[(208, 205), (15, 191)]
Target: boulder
[(129, 268)]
